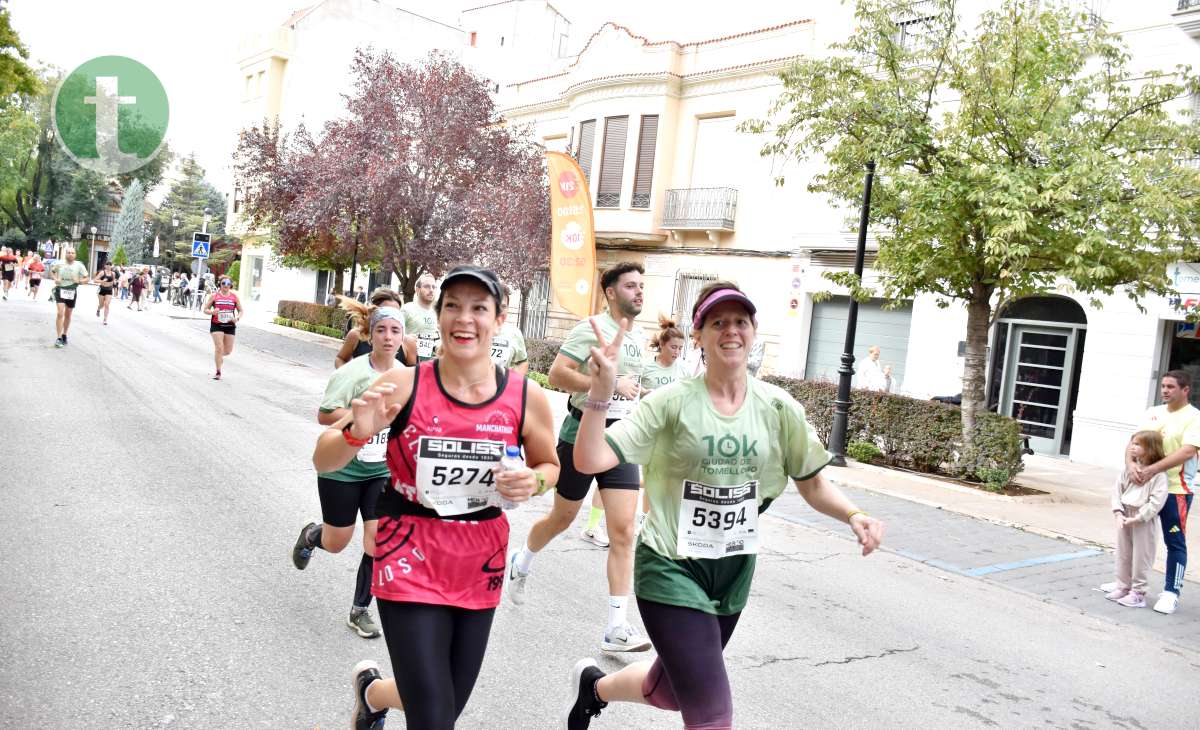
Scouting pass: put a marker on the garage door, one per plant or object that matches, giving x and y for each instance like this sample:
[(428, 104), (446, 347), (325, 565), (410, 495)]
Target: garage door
[(887, 328)]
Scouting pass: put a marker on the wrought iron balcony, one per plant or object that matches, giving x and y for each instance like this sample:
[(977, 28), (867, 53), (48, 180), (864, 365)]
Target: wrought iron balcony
[(1188, 4), (702, 209)]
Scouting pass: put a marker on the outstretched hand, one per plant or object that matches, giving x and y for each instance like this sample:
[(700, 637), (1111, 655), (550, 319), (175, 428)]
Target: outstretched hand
[(371, 413), (868, 530), (603, 367)]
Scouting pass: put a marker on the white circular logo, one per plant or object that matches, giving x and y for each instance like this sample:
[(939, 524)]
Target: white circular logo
[(572, 236), (581, 286)]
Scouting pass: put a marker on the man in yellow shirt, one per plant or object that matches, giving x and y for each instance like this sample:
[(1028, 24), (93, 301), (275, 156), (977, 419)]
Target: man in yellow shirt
[(1179, 423)]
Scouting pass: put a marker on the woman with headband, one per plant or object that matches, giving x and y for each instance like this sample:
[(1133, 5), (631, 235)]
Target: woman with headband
[(225, 309), (716, 450), (357, 341), (354, 489)]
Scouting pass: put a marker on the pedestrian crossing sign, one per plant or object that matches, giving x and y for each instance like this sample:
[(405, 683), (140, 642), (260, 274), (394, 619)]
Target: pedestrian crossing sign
[(200, 245)]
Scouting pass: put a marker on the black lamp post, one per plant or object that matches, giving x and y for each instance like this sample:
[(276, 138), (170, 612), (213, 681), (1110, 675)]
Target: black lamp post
[(841, 410)]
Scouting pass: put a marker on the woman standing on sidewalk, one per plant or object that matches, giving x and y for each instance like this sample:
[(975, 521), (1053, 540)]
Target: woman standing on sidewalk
[(225, 309), (439, 566), (717, 450)]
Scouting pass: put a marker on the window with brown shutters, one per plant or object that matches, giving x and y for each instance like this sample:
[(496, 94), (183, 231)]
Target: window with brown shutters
[(643, 176), (587, 138), (612, 164)]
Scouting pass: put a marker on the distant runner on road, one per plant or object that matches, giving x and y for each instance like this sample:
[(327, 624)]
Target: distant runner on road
[(226, 309), (8, 268), (420, 319), (717, 451), (106, 279), (68, 275), (355, 488), (36, 270)]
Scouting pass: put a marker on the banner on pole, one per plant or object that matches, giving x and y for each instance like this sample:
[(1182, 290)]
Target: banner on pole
[(573, 236)]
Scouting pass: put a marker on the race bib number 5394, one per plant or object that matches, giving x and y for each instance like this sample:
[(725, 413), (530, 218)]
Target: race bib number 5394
[(716, 521)]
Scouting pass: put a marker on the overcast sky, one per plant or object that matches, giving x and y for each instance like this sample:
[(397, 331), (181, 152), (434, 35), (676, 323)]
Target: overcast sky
[(191, 46)]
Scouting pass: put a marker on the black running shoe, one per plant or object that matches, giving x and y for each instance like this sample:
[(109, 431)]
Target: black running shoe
[(365, 672), (582, 703), (302, 551)]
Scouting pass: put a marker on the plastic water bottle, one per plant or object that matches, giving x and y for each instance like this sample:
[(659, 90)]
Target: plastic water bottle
[(511, 461)]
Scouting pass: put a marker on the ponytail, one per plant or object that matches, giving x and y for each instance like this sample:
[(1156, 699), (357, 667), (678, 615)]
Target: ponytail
[(360, 314), (667, 331)]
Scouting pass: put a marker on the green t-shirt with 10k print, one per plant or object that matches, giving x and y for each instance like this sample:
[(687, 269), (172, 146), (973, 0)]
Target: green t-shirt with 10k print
[(578, 346), (347, 383)]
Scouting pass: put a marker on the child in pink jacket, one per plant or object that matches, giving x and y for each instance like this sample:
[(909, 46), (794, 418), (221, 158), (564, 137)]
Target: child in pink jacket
[(1135, 509)]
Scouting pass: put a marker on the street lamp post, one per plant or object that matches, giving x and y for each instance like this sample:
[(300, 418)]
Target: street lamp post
[(841, 411), (92, 252)]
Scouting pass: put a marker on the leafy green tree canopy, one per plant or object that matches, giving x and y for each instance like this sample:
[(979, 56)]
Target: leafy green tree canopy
[(1010, 159)]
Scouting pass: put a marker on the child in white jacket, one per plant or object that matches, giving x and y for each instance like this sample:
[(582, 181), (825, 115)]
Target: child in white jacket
[(1135, 508)]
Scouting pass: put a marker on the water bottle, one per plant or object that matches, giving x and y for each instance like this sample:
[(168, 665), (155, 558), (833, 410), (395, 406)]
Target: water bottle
[(511, 461)]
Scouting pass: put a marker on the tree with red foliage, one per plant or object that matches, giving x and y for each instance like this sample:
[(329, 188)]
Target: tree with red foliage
[(420, 173)]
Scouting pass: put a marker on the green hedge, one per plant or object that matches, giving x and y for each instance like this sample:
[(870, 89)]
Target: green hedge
[(541, 354), (915, 434), (319, 315), (309, 327), (540, 378)]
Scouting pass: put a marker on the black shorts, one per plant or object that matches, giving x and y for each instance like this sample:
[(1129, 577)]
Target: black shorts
[(105, 291), (9, 275), (229, 329), (573, 486), (342, 502), (70, 303), (35, 283)]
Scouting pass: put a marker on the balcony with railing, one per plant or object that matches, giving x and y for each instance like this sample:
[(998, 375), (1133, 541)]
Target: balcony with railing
[(1187, 17), (700, 209)]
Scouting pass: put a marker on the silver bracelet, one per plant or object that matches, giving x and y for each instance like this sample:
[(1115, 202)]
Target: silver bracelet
[(597, 405)]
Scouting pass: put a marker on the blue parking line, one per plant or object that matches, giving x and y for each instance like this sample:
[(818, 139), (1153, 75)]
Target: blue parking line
[(1060, 557)]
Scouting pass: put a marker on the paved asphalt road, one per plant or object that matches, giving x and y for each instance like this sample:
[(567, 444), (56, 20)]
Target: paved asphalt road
[(148, 514)]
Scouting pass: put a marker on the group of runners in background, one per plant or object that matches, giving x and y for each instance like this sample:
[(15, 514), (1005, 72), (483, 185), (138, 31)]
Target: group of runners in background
[(433, 432)]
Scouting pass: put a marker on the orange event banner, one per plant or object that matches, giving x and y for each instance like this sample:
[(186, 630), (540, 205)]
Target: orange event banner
[(573, 237)]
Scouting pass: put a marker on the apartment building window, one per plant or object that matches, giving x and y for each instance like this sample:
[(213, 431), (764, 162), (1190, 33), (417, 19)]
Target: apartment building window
[(587, 140), (249, 82), (259, 83), (914, 24), (612, 162), (473, 38), (687, 288), (536, 306), (643, 176)]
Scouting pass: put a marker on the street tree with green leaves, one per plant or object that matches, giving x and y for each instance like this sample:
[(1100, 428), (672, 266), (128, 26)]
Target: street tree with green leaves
[(1014, 159), (16, 76), (182, 213)]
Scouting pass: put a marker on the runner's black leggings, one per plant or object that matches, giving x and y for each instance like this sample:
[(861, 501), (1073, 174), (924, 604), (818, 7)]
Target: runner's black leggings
[(436, 653), (689, 675)]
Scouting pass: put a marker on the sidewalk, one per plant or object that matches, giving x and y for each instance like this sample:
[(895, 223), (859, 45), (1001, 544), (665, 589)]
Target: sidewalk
[(1075, 507)]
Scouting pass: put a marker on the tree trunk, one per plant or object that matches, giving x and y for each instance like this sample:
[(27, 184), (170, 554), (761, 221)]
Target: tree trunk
[(979, 311), (338, 273), (524, 316)]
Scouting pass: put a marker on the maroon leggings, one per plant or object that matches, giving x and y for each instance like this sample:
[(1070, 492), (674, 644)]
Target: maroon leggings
[(689, 674)]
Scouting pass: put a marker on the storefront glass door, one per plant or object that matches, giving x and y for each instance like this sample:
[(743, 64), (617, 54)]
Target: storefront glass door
[(1037, 383)]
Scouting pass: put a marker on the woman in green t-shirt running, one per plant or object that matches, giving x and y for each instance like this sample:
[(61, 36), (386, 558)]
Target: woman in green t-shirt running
[(717, 450)]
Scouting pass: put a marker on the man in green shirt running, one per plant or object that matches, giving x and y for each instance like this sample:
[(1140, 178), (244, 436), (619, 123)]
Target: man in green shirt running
[(622, 286), (67, 278), (420, 320)]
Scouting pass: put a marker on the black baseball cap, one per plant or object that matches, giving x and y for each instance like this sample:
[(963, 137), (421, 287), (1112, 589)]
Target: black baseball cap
[(478, 274)]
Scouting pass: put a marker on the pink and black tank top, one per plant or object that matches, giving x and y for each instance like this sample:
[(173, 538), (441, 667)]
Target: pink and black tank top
[(224, 308), (441, 451)]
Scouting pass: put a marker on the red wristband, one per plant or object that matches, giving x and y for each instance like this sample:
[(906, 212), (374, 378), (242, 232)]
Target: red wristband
[(356, 443)]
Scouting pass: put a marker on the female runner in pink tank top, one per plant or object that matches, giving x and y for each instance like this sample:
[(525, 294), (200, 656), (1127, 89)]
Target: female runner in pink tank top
[(442, 538)]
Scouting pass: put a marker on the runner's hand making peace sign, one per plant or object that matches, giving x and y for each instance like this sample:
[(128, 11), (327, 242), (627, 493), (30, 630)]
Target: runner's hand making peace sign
[(603, 367)]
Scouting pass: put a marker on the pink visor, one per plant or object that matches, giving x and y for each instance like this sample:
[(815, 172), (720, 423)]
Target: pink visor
[(715, 298)]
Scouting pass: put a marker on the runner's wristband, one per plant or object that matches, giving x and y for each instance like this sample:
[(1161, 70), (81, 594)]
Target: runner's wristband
[(856, 512), (542, 487), (355, 442), (597, 405)]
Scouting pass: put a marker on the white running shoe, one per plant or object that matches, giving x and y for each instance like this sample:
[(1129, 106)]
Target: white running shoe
[(1108, 587), (596, 537), (518, 588), (624, 638), (1167, 602)]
